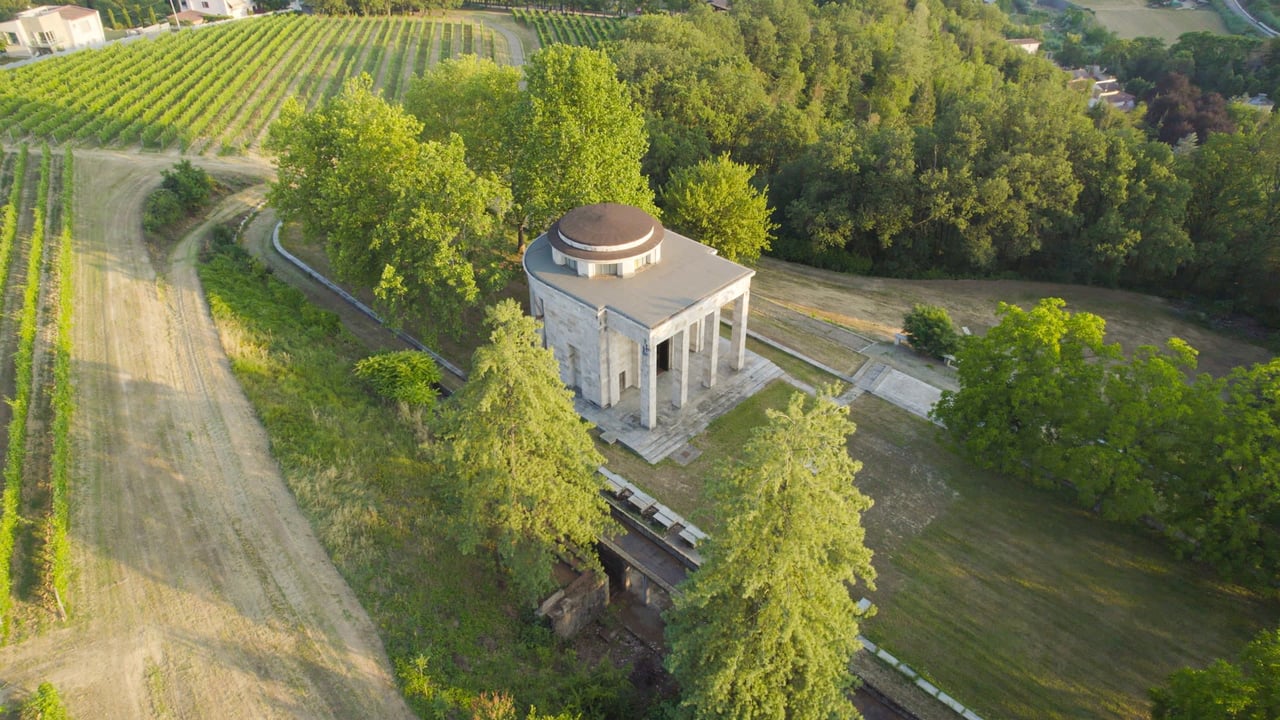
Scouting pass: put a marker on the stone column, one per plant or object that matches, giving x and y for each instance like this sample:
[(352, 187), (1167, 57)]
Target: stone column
[(680, 367), (738, 339), (696, 329), (711, 340), (649, 385)]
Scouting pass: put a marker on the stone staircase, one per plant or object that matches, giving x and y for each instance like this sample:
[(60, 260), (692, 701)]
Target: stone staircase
[(679, 427)]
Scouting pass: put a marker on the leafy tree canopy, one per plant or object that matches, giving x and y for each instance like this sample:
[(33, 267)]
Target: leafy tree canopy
[(474, 98), (579, 139), (766, 627), (930, 331), (1248, 690), (406, 217), (520, 463), (714, 203)]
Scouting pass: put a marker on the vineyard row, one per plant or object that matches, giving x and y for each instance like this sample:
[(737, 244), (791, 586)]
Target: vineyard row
[(218, 88)]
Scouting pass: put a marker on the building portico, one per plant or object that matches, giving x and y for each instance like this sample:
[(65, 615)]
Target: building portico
[(623, 301)]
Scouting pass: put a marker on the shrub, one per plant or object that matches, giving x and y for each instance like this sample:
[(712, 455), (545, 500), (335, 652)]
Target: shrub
[(405, 376), (163, 208), (192, 185), (930, 330), (44, 705)]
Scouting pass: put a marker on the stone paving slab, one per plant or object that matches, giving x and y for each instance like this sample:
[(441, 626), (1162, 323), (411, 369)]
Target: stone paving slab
[(676, 426), (908, 393)]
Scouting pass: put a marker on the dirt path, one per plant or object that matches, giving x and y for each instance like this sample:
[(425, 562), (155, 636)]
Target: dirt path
[(200, 589)]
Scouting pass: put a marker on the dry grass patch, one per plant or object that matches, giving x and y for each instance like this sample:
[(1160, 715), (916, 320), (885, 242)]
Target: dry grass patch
[(868, 303)]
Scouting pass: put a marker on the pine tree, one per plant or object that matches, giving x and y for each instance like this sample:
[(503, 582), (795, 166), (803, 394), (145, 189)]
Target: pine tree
[(766, 628)]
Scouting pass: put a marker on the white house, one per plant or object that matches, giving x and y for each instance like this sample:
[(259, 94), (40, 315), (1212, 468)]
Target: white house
[(228, 8), (51, 28), (623, 299)]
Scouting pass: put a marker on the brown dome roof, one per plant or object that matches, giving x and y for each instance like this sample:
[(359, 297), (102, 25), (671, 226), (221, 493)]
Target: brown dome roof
[(605, 231)]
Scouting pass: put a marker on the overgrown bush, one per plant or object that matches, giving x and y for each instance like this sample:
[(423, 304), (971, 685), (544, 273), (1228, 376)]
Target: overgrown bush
[(930, 331), (164, 207), (192, 185), (405, 376)]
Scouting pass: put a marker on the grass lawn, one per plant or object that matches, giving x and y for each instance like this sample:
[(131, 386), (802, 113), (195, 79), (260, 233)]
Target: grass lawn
[(1018, 603)]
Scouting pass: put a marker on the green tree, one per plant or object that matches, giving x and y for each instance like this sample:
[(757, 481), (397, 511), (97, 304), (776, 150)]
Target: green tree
[(406, 377), (45, 704), (1225, 509), (930, 330), (520, 463), (473, 97), (579, 138), (1249, 690), (766, 628), (1029, 389), (408, 218), (714, 203)]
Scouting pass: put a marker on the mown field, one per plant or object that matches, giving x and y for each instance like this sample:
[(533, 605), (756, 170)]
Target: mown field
[(157, 92), (1133, 18)]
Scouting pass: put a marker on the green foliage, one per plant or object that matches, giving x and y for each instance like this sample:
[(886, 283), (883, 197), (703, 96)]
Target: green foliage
[(16, 452), (1025, 386), (579, 139), (1249, 690), (163, 208), (405, 376), (474, 98), (714, 203), (521, 464), (1044, 398), (930, 331), (191, 185), (58, 555), (766, 628), (406, 217), (45, 704)]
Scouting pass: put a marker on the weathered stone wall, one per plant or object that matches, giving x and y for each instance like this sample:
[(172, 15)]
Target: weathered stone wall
[(570, 325), (576, 606)]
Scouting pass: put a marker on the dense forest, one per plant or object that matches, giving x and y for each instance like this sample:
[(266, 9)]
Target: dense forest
[(912, 139)]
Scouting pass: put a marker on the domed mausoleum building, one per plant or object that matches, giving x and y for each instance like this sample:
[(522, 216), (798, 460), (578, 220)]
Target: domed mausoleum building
[(623, 299)]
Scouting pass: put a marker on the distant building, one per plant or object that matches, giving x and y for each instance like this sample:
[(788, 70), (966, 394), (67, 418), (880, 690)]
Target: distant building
[(219, 8), (51, 28), (623, 299), (719, 5), (1103, 88), (187, 17), (1030, 45), (1260, 102)]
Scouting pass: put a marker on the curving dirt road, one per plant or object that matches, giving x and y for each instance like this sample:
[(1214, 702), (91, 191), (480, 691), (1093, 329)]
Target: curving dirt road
[(201, 591)]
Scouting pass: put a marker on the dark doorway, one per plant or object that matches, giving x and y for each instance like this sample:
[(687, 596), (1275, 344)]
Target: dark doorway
[(664, 355)]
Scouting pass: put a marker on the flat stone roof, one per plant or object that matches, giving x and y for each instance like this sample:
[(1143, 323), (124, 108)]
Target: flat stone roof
[(687, 273)]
